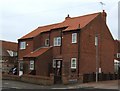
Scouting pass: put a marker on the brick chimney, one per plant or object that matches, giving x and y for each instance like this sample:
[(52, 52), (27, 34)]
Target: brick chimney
[(104, 15)]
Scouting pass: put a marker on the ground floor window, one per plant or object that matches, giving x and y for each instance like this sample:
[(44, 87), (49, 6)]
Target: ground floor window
[(56, 63), (73, 63), (31, 64)]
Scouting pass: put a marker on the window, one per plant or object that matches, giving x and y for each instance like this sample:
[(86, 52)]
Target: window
[(118, 55), (74, 37), (47, 42), (56, 63), (31, 64), (73, 63), (10, 53), (22, 45), (57, 41)]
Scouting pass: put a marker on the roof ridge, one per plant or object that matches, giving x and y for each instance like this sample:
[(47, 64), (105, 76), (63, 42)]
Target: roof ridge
[(84, 15)]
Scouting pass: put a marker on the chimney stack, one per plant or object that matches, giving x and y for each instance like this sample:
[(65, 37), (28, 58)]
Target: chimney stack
[(104, 15)]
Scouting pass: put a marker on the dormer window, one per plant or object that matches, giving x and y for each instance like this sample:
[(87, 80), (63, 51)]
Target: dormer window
[(47, 42), (22, 45)]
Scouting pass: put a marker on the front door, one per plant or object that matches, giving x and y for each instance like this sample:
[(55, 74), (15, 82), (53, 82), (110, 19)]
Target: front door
[(20, 68), (57, 71)]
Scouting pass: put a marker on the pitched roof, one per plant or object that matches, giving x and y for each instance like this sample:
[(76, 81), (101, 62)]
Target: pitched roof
[(37, 52), (70, 23), (9, 45)]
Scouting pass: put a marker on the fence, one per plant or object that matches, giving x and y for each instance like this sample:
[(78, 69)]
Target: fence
[(101, 77)]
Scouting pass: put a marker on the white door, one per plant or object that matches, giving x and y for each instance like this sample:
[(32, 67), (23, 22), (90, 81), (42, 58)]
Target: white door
[(20, 68)]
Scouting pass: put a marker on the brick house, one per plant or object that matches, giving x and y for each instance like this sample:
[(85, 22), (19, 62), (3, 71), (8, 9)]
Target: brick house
[(8, 55), (67, 49)]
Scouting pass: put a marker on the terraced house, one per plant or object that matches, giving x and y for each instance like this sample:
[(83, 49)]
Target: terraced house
[(68, 49)]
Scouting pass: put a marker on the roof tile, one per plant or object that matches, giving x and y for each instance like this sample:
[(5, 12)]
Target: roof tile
[(37, 52), (70, 23)]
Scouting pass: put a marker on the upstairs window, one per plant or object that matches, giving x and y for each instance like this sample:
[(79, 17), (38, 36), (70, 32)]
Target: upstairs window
[(22, 45), (57, 41), (73, 63), (74, 37), (47, 42)]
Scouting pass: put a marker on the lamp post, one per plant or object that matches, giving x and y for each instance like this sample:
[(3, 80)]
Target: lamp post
[(96, 44)]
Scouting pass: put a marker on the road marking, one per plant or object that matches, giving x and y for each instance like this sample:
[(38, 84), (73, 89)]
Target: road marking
[(15, 87), (6, 83), (58, 88)]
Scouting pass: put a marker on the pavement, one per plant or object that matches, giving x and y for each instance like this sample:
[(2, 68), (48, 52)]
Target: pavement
[(113, 84)]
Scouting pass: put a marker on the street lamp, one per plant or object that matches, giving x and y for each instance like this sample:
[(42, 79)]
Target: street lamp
[(96, 44)]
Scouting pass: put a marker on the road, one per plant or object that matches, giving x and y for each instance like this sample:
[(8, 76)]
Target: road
[(8, 85)]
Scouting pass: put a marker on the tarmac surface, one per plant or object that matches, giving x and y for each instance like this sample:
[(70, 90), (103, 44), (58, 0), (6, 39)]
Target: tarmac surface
[(113, 85)]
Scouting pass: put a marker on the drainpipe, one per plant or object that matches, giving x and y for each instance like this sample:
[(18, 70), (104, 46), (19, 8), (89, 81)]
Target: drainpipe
[(61, 42), (49, 37), (78, 48)]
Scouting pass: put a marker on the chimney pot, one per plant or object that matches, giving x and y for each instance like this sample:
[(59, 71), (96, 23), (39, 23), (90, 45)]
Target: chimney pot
[(68, 17)]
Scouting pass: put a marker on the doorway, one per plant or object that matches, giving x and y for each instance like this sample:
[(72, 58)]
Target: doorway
[(57, 65)]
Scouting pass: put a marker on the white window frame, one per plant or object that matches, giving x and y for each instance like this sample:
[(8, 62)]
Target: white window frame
[(74, 37), (73, 63), (22, 45), (10, 53), (118, 55), (46, 42), (31, 63), (57, 41), (54, 63)]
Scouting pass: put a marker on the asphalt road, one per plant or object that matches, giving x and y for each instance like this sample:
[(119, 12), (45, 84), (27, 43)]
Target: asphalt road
[(8, 85)]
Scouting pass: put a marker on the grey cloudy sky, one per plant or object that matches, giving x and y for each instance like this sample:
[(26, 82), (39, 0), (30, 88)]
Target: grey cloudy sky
[(19, 17)]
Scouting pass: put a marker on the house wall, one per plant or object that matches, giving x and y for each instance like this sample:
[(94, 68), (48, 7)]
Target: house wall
[(43, 64), (56, 49), (29, 48), (69, 50), (39, 40), (88, 49)]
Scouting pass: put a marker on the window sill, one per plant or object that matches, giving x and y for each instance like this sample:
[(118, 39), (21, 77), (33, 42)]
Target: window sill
[(74, 42)]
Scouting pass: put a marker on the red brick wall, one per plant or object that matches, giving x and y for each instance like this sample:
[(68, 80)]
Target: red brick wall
[(39, 41), (69, 50), (29, 48), (43, 64), (56, 49), (88, 50)]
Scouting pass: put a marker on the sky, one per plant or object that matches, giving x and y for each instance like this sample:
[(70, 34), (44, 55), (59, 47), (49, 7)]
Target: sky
[(19, 17)]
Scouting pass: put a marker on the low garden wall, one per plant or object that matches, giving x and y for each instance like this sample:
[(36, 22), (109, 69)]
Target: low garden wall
[(11, 77), (38, 79), (30, 79)]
